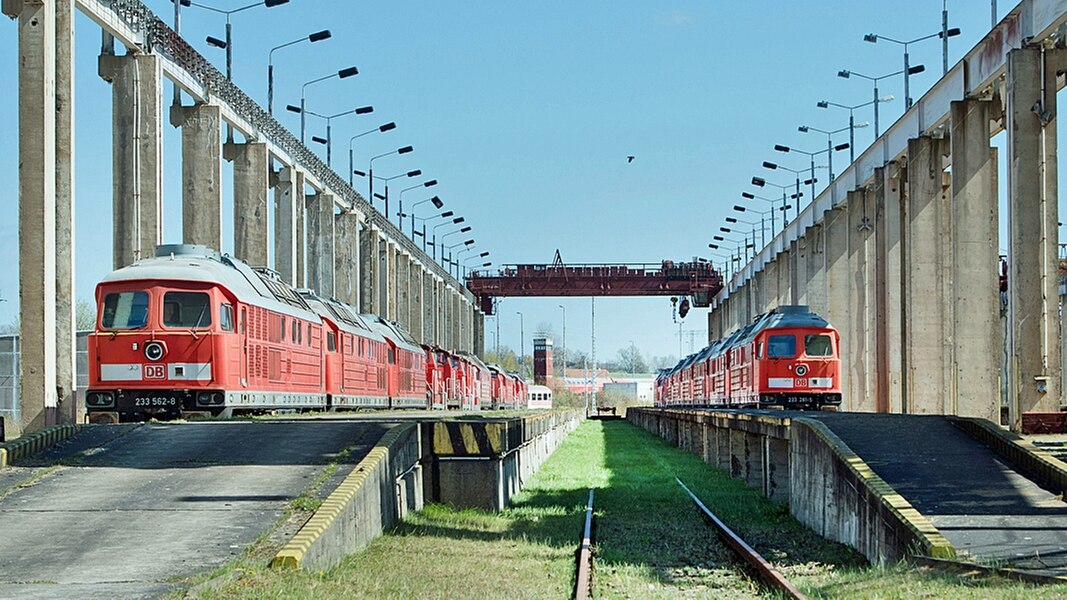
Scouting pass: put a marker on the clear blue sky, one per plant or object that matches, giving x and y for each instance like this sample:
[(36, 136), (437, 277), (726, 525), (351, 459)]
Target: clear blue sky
[(525, 113)]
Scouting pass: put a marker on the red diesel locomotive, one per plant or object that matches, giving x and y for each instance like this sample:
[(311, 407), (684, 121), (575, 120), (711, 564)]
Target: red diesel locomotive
[(191, 332), (787, 357)]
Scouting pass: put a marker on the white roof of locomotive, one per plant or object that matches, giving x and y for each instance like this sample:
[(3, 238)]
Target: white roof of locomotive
[(392, 331), (201, 264), (323, 308)]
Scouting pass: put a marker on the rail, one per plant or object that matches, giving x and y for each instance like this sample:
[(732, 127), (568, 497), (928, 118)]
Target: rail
[(767, 573), (138, 27), (583, 582)]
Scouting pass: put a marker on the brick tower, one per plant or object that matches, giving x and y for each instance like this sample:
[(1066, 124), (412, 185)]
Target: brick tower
[(543, 361)]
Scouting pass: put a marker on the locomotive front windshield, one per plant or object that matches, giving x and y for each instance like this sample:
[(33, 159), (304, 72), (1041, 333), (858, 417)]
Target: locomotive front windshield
[(125, 310), (782, 346), (818, 345), (188, 310)]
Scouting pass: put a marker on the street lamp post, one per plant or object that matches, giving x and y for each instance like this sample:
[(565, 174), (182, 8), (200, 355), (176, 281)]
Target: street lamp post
[(400, 210), (829, 142), (828, 151), (944, 34), (783, 208), (424, 220), (437, 203), (522, 346), (342, 74), (761, 182), (362, 110), (351, 162), (455, 221), (846, 74), (318, 36), (852, 125), (370, 176), (227, 44), (762, 226), (479, 256)]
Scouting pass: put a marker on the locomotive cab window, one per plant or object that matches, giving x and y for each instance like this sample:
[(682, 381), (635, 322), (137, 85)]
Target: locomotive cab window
[(189, 310), (226, 317), (818, 345), (125, 310), (782, 346)]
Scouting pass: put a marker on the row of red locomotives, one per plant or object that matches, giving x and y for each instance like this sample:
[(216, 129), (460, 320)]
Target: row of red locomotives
[(191, 332)]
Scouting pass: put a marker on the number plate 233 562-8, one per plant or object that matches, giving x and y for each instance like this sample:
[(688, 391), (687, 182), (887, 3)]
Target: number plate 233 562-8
[(156, 401)]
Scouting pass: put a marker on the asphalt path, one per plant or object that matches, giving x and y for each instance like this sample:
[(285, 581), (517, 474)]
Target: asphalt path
[(134, 510)]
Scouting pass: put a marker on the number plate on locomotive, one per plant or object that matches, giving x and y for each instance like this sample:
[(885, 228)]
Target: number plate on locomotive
[(156, 401)]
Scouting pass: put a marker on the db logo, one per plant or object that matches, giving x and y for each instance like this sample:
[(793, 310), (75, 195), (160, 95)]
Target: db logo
[(155, 371)]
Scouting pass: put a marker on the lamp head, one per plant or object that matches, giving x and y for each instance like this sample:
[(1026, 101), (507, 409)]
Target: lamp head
[(404, 150), (387, 127), (802, 129), (363, 110), (346, 73), (781, 148), (318, 36), (870, 37), (437, 202), (318, 139), (844, 74), (822, 104), (216, 42)]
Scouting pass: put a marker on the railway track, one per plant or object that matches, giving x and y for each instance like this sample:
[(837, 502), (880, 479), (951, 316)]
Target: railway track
[(583, 585), (766, 572)]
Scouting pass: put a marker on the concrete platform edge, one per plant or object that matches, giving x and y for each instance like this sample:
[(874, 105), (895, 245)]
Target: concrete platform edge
[(1031, 461), (933, 543), (35, 442), (361, 507)]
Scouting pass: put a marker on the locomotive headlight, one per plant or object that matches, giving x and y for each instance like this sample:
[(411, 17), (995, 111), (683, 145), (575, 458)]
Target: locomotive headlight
[(100, 399), (154, 351), (801, 370), (203, 398)]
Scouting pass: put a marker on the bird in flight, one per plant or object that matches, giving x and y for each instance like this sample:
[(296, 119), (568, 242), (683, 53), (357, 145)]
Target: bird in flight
[(629, 159)]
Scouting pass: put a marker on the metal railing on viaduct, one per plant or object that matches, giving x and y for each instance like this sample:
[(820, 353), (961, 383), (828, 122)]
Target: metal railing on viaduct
[(352, 252), (901, 251)]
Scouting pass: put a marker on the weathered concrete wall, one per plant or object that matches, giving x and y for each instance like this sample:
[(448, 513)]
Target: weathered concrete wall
[(499, 455), (380, 491), (801, 462)]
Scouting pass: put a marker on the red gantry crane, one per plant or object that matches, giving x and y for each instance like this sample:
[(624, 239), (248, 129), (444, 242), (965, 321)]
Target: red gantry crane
[(696, 279)]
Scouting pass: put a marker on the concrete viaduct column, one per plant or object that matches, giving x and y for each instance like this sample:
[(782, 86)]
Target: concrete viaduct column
[(288, 223), (137, 154), (201, 174), (927, 279), (403, 290), (68, 407), (386, 280), (797, 252), (887, 257), (37, 210), (417, 299), (1033, 314), (478, 329), (320, 243), (785, 278), (976, 332), (861, 323), (370, 298), (814, 282), (431, 313), (836, 278), (347, 252), (251, 183)]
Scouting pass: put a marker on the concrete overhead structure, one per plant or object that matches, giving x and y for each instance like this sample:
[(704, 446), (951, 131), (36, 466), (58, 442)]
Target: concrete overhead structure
[(900, 252), (321, 261), (347, 254)]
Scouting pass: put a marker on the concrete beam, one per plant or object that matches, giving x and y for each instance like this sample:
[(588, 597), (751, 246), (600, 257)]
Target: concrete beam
[(1033, 310), (975, 265), (137, 154), (288, 218), (320, 243), (251, 184), (37, 212), (201, 174)]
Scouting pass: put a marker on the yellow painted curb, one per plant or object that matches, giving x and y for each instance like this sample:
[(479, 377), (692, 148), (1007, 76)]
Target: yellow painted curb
[(291, 556), (35, 442)]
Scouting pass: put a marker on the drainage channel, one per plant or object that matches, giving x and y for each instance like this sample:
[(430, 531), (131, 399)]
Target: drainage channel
[(583, 585)]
